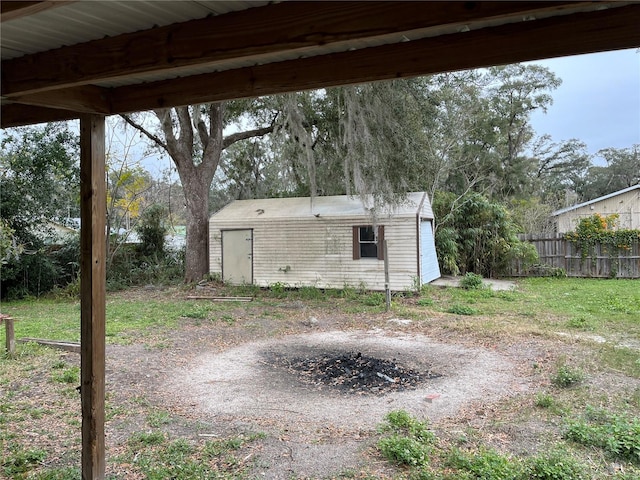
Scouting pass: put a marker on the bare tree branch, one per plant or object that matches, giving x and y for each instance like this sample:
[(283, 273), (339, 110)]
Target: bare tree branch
[(236, 137), (154, 138), (200, 124)]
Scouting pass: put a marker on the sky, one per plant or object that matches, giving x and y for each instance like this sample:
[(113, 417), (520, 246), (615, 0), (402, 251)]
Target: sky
[(598, 101)]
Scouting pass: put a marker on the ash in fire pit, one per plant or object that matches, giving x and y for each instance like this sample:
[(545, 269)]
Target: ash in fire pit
[(353, 372)]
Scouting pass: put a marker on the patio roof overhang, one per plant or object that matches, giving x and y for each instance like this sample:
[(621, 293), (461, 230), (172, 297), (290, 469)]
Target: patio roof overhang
[(113, 57)]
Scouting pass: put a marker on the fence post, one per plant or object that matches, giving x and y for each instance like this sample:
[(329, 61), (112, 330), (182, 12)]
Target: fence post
[(10, 334), (387, 290)]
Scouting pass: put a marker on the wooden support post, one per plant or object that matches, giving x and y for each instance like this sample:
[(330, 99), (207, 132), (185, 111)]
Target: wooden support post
[(10, 334), (92, 293), (387, 288)]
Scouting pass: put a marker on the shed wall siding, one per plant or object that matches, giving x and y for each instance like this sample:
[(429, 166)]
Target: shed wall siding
[(626, 205), (318, 252)]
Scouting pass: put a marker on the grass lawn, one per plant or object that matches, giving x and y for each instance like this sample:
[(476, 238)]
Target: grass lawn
[(585, 410)]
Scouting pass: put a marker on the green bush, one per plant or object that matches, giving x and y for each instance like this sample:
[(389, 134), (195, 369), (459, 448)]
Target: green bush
[(476, 235), (471, 281), (152, 229)]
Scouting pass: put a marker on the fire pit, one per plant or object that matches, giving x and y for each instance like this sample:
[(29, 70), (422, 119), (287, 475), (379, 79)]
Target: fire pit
[(331, 379), (350, 372)]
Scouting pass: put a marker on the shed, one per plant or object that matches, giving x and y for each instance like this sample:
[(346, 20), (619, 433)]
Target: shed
[(625, 203), (325, 242)]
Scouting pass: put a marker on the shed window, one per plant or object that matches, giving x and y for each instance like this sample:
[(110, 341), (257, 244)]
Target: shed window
[(366, 244)]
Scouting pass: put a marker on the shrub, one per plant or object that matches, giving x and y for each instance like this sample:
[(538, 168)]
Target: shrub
[(152, 230), (476, 235), (471, 281)]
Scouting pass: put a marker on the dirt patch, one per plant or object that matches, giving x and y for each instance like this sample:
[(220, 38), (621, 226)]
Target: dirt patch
[(258, 386)]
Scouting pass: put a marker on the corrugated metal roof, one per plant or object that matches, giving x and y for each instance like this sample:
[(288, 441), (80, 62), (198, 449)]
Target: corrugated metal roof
[(330, 206), (595, 200), (89, 20)]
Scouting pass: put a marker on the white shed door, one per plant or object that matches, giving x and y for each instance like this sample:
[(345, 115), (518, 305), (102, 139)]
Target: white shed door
[(237, 256), (429, 268)]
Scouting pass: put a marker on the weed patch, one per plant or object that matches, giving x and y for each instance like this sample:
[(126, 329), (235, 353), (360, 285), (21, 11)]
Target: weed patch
[(158, 458), (566, 377), (617, 435), (555, 466), (462, 310), (20, 461), (410, 442), (374, 299), (487, 464), (68, 375)]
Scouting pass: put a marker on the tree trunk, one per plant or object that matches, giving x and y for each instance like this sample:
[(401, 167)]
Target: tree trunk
[(196, 176), (197, 253)]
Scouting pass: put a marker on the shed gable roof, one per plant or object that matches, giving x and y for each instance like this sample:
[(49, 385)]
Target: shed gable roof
[(330, 206), (595, 200)]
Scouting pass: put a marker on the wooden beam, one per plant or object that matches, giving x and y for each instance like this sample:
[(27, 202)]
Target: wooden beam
[(14, 115), (92, 293), (292, 26), (577, 33), (532, 40), (84, 99)]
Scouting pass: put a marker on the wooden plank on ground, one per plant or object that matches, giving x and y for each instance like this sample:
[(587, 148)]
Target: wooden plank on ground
[(62, 345), (219, 299)]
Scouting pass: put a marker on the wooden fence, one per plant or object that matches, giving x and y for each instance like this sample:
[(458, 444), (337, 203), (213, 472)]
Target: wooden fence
[(557, 255)]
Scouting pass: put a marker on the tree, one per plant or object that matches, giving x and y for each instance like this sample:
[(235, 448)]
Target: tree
[(152, 230), (515, 91), (193, 138), (477, 236), (560, 169), (39, 182), (465, 130), (622, 170)]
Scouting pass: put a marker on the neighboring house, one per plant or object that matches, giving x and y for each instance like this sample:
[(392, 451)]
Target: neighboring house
[(55, 233), (325, 242), (625, 203)]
